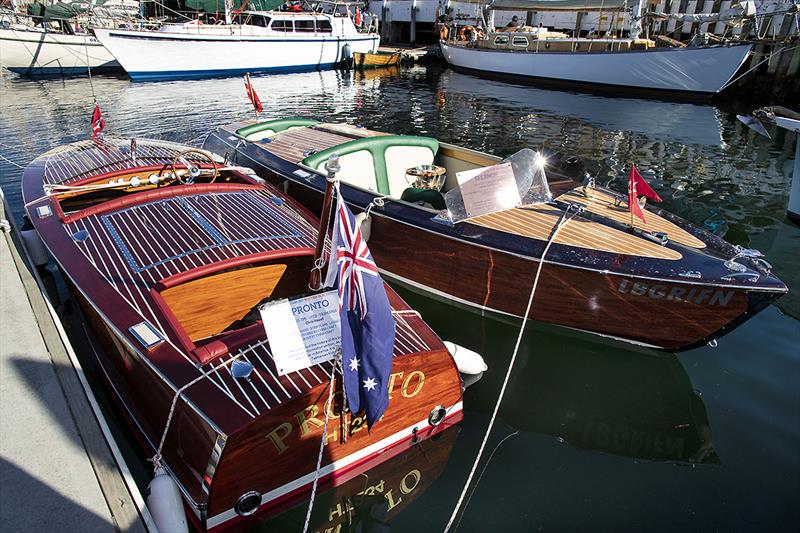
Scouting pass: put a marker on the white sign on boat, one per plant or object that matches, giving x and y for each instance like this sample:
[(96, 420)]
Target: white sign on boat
[(489, 189), (303, 332)]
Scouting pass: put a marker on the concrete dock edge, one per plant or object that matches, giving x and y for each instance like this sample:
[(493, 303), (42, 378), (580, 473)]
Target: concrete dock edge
[(125, 505)]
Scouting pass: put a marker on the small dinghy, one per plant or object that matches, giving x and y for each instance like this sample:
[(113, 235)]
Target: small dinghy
[(660, 282), (173, 256)]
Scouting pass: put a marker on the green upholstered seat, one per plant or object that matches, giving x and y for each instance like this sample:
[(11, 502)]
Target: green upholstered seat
[(425, 196), (275, 126), (386, 170)]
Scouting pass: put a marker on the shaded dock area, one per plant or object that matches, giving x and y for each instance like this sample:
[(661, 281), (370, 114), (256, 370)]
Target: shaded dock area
[(58, 470)]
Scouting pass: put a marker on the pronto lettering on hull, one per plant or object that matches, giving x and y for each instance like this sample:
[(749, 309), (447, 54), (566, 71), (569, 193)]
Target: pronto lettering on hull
[(310, 420), (695, 295)]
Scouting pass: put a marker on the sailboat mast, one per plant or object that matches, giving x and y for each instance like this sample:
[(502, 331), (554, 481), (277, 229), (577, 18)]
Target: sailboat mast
[(228, 11)]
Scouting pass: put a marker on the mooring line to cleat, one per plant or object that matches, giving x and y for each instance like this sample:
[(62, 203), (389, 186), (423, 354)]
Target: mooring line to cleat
[(561, 222), (336, 363)]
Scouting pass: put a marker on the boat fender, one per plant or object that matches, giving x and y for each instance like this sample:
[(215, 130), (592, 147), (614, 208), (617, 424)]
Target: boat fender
[(33, 243), (165, 503), (346, 52), (365, 222), (471, 379), (467, 361)]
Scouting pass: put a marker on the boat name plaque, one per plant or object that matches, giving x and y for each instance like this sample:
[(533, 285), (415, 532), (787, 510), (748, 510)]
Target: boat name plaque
[(303, 332), (489, 190)]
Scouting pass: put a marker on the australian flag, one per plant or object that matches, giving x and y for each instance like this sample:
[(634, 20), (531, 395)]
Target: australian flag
[(367, 323)]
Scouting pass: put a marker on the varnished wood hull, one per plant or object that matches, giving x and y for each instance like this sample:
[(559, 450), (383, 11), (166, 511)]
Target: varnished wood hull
[(613, 294), (225, 438)]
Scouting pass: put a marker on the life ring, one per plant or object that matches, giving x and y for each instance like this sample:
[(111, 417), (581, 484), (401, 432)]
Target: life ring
[(443, 33), (462, 33)]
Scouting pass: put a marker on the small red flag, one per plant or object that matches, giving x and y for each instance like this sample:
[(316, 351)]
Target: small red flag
[(97, 121), (633, 197), (642, 187), (251, 94)]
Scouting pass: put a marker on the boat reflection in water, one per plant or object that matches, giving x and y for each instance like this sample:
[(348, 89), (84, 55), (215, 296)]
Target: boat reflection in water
[(658, 120), (374, 494), (630, 405)]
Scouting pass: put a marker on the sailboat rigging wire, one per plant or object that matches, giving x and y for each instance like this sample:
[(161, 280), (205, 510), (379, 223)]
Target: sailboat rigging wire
[(336, 361), (751, 69), (89, 67), (561, 222)]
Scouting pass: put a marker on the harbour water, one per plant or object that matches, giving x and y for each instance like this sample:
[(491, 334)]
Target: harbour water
[(592, 436)]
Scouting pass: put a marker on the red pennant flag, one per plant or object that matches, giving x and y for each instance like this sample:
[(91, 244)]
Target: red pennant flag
[(251, 94), (633, 197), (642, 186), (97, 121)]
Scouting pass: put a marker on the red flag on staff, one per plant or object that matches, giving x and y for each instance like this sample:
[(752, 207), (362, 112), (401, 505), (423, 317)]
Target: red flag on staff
[(642, 186), (251, 94), (633, 197), (97, 121)]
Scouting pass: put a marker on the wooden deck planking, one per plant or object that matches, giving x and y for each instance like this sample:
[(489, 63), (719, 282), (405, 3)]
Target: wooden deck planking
[(293, 144), (602, 203), (538, 223)]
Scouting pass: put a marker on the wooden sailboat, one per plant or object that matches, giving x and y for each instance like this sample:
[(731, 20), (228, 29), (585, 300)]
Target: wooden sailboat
[(629, 65), (664, 283), (169, 254)]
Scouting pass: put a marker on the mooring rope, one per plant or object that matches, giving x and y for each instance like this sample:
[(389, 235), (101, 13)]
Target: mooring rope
[(156, 459), (563, 220), (336, 361)]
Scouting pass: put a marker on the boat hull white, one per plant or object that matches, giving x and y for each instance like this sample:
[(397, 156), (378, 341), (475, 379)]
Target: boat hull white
[(47, 53), (691, 71), (161, 55)]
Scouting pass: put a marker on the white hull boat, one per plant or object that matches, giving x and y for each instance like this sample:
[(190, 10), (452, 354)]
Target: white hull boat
[(701, 71), (269, 41), (36, 52)]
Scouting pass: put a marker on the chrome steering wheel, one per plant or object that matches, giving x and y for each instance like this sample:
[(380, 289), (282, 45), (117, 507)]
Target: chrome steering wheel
[(193, 171)]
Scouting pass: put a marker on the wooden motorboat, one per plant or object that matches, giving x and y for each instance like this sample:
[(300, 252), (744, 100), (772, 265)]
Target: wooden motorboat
[(665, 284), (169, 253), (378, 59)]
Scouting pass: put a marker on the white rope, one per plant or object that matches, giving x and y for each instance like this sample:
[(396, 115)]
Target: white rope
[(10, 162), (564, 219), (322, 443), (156, 459)]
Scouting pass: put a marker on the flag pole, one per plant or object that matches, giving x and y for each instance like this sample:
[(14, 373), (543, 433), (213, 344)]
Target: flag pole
[(332, 166)]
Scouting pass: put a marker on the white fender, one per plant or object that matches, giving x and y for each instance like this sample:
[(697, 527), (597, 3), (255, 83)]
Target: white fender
[(471, 379), (35, 247), (365, 221), (165, 503), (467, 361)]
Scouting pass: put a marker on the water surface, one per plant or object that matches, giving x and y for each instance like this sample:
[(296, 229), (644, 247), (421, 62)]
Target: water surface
[(603, 437)]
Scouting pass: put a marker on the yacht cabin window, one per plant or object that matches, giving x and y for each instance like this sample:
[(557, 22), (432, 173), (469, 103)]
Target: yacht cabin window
[(519, 41), (501, 40), (282, 25), (304, 25)]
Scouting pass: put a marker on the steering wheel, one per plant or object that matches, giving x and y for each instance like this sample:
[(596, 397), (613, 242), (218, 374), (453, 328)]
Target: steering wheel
[(194, 171)]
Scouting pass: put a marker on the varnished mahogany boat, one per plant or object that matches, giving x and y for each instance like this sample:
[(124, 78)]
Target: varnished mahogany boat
[(169, 253), (665, 284)]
